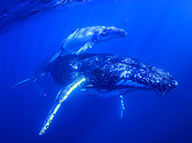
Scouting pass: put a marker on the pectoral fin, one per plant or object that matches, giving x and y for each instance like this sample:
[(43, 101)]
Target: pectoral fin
[(61, 97), (85, 47), (120, 106)]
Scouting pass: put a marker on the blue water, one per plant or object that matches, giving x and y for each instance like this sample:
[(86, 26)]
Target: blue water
[(158, 33)]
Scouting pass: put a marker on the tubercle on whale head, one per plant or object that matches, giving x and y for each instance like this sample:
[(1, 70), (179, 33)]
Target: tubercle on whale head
[(165, 89), (113, 31), (121, 33), (152, 78)]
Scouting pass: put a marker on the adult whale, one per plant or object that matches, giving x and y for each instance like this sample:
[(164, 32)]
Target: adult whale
[(88, 36), (101, 75)]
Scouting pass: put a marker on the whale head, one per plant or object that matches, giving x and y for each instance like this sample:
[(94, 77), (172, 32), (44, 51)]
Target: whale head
[(111, 32)]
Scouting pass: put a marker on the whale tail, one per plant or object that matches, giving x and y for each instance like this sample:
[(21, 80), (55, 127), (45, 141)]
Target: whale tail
[(21, 82), (33, 82)]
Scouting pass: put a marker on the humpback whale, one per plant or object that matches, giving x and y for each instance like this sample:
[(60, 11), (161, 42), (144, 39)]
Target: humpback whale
[(102, 76), (88, 36)]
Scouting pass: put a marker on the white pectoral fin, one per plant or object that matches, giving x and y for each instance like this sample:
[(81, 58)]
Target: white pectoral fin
[(85, 47), (120, 106), (61, 97)]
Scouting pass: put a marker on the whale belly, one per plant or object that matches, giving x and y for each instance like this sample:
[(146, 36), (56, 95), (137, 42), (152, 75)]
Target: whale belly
[(76, 40), (103, 93)]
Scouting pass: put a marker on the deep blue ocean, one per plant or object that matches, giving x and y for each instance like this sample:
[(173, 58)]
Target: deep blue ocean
[(159, 32)]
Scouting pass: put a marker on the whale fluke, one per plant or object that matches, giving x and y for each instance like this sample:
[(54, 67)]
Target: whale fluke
[(21, 82)]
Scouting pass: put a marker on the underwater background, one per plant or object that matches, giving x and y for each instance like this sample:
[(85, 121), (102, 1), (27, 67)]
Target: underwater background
[(158, 32)]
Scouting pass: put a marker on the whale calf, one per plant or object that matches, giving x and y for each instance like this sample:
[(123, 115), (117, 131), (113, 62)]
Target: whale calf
[(102, 76), (84, 38), (88, 36)]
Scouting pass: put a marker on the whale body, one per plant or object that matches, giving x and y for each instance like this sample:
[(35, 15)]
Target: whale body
[(110, 75), (88, 36), (102, 76)]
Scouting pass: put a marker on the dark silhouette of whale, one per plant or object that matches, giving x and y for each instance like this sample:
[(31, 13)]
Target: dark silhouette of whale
[(101, 75)]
